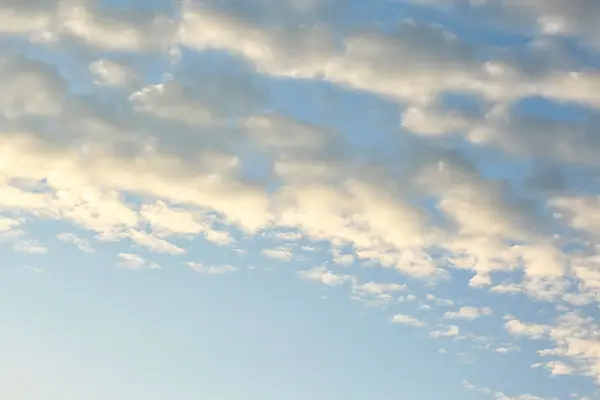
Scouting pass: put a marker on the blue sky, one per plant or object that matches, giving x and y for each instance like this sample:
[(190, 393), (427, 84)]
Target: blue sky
[(299, 199)]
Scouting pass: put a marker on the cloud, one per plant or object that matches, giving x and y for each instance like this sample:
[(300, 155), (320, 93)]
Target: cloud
[(448, 331), (31, 88), (518, 328), (468, 313), (376, 293), (505, 350), (498, 395), (386, 228), (288, 236), (575, 339), (88, 22), (581, 213), (9, 227), (552, 18), (110, 73), (134, 261), (36, 270), (212, 270), (170, 101), (556, 368), (30, 246), (279, 254), (342, 259), (406, 320), (167, 221), (439, 62), (325, 276), (75, 240), (144, 239), (128, 134), (438, 301)]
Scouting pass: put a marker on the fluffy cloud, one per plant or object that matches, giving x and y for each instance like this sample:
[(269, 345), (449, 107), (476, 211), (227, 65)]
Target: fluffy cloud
[(575, 338), (376, 235), (105, 28), (447, 331), (407, 320), (325, 276)]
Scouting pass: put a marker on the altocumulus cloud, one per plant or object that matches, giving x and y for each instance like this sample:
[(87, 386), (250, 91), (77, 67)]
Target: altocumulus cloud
[(485, 178)]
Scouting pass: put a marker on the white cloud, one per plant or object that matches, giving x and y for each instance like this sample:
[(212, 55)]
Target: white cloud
[(279, 254), (170, 101), (375, 293), (86, 21), (407, 320), (556, 367), (134, 262), (166, 221), (582, 213), (414, 64), (384, 228), (438, 301), (505, 350), (9, 227), (499, 395), (325, 276), (36, 270), (342, 259), (75, 240), (480, 280), (173, 160), (288, 236), (110, 73), (30, 246), (447, 331), (518, 328), (212, 270), (151, 242), (407, 299), (469, 313), (575, 339)]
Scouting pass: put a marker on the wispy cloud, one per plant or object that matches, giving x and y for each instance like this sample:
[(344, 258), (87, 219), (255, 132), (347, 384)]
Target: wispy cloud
[(279, 254), (134, 262), (30, 246), (406, 320), (212, 270), (75, 240)]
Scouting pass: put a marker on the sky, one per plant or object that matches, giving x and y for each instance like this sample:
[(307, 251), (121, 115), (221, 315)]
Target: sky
[(299, 199)]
